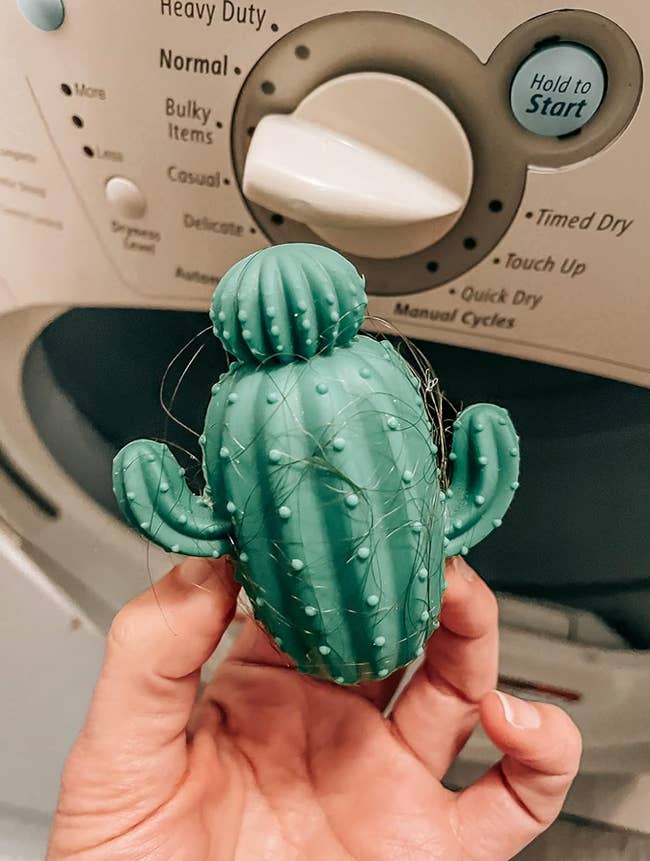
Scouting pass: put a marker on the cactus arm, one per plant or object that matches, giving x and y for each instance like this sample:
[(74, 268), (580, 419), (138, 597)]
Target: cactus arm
[(485, 456), (154, 498)]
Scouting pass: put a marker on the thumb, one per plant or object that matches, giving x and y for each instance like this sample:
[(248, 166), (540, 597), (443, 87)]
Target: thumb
[(519, 797), (132, 751)]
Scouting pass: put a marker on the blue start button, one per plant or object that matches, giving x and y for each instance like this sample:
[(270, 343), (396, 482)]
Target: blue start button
[(558, 89)]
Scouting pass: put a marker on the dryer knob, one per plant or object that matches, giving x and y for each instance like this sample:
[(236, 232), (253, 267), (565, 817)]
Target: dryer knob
[(374, 164)]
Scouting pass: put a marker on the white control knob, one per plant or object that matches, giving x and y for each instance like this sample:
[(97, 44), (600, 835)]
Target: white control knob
[(372, 163)]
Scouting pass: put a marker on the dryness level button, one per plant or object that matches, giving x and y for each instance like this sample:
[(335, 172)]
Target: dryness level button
[(43, 14), (125, 197), (558, 89)]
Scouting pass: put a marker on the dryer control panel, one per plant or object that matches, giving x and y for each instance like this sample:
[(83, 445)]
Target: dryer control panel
[(484, 171)]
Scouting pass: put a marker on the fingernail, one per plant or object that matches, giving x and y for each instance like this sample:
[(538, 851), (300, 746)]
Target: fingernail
[(518, 712), (196, 572), (461, 567)]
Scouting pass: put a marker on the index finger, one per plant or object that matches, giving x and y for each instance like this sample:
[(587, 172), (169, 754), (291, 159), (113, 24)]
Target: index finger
[(134, 732), (440, 708)]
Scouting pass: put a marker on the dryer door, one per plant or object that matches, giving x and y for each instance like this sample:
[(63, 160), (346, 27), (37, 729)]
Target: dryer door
[(98, 378)]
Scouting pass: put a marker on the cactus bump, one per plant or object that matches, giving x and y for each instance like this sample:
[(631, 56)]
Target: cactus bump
[(322, 472)]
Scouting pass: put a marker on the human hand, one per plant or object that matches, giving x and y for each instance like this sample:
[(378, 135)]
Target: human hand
[(270, 764)]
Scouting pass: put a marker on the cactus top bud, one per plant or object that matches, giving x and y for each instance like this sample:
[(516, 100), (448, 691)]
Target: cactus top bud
[(288, 303)]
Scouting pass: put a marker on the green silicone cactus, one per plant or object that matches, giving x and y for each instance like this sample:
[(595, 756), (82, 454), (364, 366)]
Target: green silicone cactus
[(321, 472)]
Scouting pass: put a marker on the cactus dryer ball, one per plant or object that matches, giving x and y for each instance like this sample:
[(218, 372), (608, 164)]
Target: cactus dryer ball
[(322, 476)]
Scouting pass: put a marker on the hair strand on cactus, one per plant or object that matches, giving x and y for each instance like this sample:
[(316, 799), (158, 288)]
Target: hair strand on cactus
[(168, 407)]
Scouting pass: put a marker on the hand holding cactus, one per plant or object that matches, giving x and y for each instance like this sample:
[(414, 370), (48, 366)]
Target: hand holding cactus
[(269, 764)]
